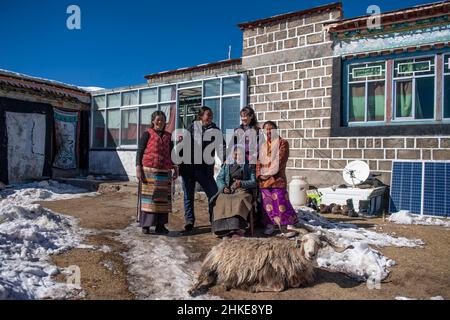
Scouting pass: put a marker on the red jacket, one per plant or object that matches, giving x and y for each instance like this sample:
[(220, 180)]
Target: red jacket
[(157, 153)]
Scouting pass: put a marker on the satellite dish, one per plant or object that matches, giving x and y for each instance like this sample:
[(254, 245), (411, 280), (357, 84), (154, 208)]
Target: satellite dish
[(356, 172)]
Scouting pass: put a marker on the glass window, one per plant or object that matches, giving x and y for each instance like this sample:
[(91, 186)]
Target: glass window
[(357, 102), (414, 88), (112, 138), (230, 113), (212, 88), (129, 98), (231, 85), (170, 112), (424, 98), (214, 104), (167, 94), (366, 92), (190, 84), (446, 86), (149, 96), (376, 101), (99, 130), (403, 99), (129, 127), (113, 100), (99, 102), (146, 118)]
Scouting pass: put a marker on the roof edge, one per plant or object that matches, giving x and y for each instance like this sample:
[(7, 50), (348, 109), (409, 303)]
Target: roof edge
[(194, 68), (341, 24), (261, 22)]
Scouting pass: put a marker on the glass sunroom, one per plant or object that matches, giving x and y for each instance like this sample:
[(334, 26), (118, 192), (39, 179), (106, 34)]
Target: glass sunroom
[(120, 116)]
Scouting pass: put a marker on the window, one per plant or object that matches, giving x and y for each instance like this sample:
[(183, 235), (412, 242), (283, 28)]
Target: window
[(119, 118), (99, 102), (446, 105), (214, 104), (167, 94), (169, 110), (146, 118), (99, 129), (190, 84), (149, 96), (212, 88), (130, 98), (366, 92), (112, 139), (230, 113), (231, 85), (129, 127), (113, 100), (414, 90)]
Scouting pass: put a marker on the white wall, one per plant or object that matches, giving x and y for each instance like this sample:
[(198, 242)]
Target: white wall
[(117, 163)]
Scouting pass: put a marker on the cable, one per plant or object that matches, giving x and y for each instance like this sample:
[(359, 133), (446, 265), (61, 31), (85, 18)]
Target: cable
[(321, 155)]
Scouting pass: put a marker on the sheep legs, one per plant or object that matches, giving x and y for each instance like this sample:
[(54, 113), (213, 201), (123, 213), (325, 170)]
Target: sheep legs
[(268, 288)]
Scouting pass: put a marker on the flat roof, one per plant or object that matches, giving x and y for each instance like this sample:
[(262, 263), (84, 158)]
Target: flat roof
[(217, 64), (281, 17)]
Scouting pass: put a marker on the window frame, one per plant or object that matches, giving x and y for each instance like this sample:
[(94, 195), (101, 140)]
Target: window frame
[(445, 61), (348, 83), (395, 79), (242, 95)]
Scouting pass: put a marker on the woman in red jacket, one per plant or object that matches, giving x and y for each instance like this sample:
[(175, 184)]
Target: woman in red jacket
[(154, 170)]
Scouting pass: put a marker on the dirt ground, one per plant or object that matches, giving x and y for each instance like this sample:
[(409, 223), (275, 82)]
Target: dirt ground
[(419, 272)]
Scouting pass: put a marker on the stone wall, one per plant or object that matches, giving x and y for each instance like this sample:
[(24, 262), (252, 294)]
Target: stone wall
[(290, 66)]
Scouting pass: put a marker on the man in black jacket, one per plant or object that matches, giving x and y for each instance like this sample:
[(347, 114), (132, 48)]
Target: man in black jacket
[(199, 167)]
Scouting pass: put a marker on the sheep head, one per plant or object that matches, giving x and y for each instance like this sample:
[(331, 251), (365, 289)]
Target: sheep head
[(311, 243)]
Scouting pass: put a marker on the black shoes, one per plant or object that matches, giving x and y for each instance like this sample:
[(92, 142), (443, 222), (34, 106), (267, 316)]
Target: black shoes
[(189, 227), (161, 229)]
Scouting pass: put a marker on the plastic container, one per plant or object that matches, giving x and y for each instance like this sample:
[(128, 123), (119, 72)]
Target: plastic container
[(297, 191)]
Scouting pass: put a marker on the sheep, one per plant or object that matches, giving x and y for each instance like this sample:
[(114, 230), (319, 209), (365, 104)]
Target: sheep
[(261, 265)]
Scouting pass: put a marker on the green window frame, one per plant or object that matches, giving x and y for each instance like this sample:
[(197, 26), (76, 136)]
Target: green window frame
[(366, 92)]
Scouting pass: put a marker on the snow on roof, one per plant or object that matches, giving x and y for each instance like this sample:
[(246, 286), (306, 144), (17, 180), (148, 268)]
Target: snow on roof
[(20, 80)]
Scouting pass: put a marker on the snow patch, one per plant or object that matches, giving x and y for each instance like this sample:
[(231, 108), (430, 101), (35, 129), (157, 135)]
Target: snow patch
[(406, 217), (361, 262), (158, 266), (29, 234)]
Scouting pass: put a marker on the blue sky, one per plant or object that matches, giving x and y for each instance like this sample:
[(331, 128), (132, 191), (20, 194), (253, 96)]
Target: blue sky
[(121, 41)]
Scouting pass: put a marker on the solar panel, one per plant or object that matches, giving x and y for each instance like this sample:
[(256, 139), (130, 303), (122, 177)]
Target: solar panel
[(421, 187), (406, 187), (436, 200)]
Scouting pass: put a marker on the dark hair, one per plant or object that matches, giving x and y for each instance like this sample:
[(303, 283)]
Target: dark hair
[(155, 114), (271, 123), (203, 110), (251, 113)]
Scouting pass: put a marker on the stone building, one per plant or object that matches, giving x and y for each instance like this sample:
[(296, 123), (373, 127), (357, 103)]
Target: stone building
[(339, 90)]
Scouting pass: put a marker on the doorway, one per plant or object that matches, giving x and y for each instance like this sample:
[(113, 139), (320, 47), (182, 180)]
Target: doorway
[(189, 104)]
